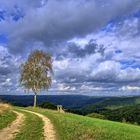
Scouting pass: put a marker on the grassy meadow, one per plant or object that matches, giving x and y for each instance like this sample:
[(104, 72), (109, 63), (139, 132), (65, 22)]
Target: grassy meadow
[(68, 126), (75, 127)]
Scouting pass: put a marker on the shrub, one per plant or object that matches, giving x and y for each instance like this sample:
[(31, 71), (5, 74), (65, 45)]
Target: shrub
[(48, 105), (96, 115)]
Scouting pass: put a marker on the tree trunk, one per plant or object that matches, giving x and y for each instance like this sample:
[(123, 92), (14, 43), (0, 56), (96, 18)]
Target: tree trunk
[(34, 100)]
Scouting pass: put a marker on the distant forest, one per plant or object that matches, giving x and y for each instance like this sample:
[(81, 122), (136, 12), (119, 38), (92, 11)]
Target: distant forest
[(122, 109)]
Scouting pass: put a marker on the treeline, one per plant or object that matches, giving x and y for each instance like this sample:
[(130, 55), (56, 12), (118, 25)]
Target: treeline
[(129, 114)]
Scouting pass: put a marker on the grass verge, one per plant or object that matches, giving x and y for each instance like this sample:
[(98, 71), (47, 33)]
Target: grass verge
[(6, 115), (75, 127), (6, 118), (32, 128)]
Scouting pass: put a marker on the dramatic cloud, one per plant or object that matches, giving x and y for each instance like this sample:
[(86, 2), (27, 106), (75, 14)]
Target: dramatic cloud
[(94, 43), (58, 21), (9, 69)]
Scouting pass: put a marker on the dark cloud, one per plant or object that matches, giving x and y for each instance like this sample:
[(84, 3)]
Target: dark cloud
[(9, 70), (73, 50), (74, 19), (90, 48), (4, 71), (83, 37)]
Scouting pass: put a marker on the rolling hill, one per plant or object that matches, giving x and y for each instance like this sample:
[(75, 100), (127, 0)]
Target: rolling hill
[(68, 126), (75, 127)]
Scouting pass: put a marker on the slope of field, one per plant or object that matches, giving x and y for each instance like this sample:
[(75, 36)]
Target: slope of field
[(74, 127)]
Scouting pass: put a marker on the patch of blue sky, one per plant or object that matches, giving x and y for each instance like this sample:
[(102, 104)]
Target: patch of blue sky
[(129, 63), (112, 24), (2, 15), (3, 39), (108, 27), (16, 17), (136, 14), (17, 14), (117, 21), (137, 66)]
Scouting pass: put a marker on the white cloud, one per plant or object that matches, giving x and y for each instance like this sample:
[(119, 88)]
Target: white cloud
[(44, 26), (9, 70), (63, 87), (125, 88), (74, 19)]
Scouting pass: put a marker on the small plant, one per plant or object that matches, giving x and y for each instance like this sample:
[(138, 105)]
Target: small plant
[(96, 115), (48, 105)]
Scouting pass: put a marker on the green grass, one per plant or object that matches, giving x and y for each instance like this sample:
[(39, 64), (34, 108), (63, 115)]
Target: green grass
[(32, 128), (6, 118), (75, 127)]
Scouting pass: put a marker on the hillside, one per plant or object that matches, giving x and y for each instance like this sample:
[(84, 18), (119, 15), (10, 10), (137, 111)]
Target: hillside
[(75, 127), (109, 103), (73, 101), (36, 124), (68, 101), (129, 114)]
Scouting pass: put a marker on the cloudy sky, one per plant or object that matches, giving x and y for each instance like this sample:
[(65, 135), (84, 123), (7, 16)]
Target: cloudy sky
[(95, 44)]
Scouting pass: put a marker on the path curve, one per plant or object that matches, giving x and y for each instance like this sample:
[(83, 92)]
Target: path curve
[(49, 132), (9, 132)]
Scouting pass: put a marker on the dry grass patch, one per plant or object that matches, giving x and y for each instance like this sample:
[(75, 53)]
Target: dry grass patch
[(4, 107)]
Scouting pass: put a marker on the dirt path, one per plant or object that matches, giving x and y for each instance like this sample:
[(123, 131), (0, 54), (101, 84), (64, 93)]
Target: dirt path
[(9, 132), (49, 132)]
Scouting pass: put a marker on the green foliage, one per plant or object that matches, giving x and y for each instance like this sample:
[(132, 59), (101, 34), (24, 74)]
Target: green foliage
[(32, 128), (130, 114), (36, 72), (109, 104), (6, 118), (118, 109), (48, 105), (96, 115), (75, 127)]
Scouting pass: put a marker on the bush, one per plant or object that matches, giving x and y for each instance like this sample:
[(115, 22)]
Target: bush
[(48, 105), (96, 115)]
